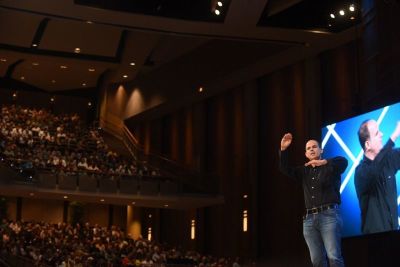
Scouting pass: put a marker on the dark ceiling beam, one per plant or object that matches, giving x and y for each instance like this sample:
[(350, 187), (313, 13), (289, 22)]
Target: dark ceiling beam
[(121, 45), (53, 53), (39, 33), (11, 68)]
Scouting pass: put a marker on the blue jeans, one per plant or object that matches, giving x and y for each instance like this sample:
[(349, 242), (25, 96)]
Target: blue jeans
[(323, 233)]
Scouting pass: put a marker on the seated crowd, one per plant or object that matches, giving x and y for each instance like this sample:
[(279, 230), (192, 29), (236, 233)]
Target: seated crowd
[(63, 244), (36, 138)]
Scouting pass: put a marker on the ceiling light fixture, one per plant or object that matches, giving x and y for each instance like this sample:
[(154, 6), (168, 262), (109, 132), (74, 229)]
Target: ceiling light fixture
[(91, 69), (341, 12), (132, 64), (219, 3), (200, 89), (22, 78), (332, 15), (53, 81), (35, 64), (3, 60), (217, 12), (63, 67), (125, 76), (89, 104), (34, 45), (77, 50), (102, 200), (352, 8), (65, 197), (83, 84)]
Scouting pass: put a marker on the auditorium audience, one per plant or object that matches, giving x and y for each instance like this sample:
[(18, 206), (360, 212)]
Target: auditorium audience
[(64, 244), (38, 139)]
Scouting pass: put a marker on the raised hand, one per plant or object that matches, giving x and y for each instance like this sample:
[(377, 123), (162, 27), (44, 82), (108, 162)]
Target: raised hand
[(396, 132), (286, 141)]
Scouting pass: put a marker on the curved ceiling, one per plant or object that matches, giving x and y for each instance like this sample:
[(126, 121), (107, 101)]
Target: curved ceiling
[(66, 45)]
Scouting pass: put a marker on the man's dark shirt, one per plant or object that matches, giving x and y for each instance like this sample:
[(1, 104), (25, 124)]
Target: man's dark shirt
[(375, 183), (321, 184)]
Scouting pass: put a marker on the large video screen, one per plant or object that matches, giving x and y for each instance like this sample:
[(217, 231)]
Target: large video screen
[(341, 139)]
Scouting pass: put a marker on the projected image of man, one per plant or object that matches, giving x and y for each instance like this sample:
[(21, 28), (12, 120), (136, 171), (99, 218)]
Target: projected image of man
[(375, 179)]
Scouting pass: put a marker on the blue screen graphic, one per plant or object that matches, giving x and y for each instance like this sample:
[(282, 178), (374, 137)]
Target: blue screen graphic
[(341, 139)]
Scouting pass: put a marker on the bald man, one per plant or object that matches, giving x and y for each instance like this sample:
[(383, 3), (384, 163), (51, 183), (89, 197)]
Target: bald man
[(375, 179), (322, 221)]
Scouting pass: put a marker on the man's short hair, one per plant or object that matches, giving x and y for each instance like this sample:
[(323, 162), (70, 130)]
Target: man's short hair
[(363, 133)]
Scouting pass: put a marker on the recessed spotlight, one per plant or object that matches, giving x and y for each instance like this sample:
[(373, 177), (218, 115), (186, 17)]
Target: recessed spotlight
[(35, 64), (34, 45), (3, 60), (52, 99), (63, 67), (352, 8), (200, 89), (150, 216), (89, 22), (332, 15), (77, 50), (65, 197), (133, 202), (14, 95), (219, 3), (341, 12), (132, 64), (217, 12), (83, 84), (89, 104), (102, 200), (125, 76), (91, 69), (22, 78), (166, 205), (53, 81), (31, 194), (352, 18)]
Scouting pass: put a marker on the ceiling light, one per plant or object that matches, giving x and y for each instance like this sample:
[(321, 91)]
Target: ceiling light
[(77, 50), (22, 78), (132, 64), (34, 45), (133, 202), (31, 194), (217, 12), (89, 104), (102, 200), (341, 12), (166, 205), (53, 81), (83, 84), (65, 197), (52, 99), (14, 95), (219, 3), (149, 215), (244, 196), (3, 60), (200, 89), (63, 67), (35, 64), (352, 18), (125, 76), (91, 69), (352, 8), (89, 22), (332, 15)]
